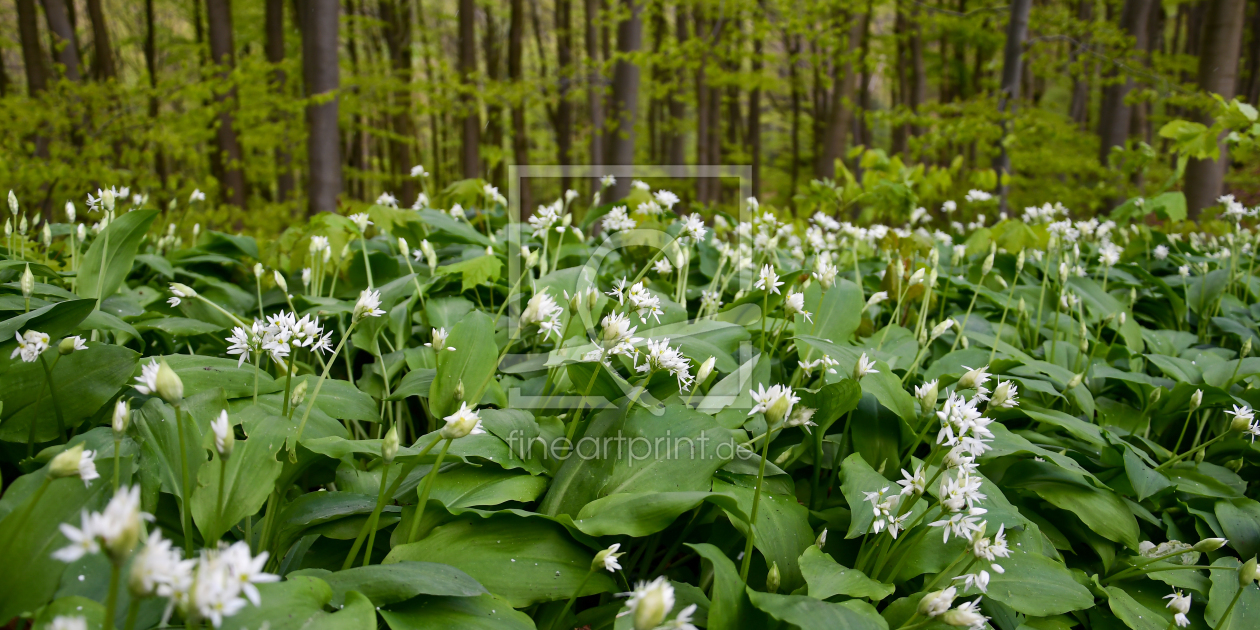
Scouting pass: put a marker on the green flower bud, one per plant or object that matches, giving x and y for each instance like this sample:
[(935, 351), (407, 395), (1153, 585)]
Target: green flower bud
[(1247, 573), (28, 283), (169, 387), (1196, 399), (298, 395), (1209, 544), (705, 370), (772, 578), (389, 445), (66, 463)]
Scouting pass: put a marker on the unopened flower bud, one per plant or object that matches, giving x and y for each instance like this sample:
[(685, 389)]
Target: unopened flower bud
[(13, 203), (258, 270), (1122, 318), (122, 416), (281, 282), (403, 248), (936, 603), (1246, 348), (1155, 395), (1076, 380), (1247, 573), (959, 617), (1196, 399), (298, 395), (389, 445), (66, 463), (1019, 263), (1208, 545), (459, 391), (28, 283), (772, 578), (821, 541), (705, 370), (987, 266), (169, 387), (778, 410)]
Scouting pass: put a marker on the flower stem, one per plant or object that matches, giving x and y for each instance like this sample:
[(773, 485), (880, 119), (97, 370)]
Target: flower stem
[(52, 392), (222, 482), (133, 609), (1191, 451), (569, 604), (117, 447), (752, 518), (370, 525), (424, 492), (1230, 608), (962, 329), (185, 488), (367, 262), (111, 600), (310, 402)]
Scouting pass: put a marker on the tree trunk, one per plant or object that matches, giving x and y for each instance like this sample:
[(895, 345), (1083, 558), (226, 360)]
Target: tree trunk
[(595, 84), (274, 27), (1114, 115), (1012, 66), (65, 45), (397, 22), (222, 53), (1253, 60), (676, 149), (703, 94), (625, 100), (565, 77), (470, 156), (918, 79), (150, 62), (864, 88), (32, 53), (1221, 48), (322, 75), (792, 44), (839, 121), (1079, 109), (754, 101), (104, 63), (901, 87), (520, 137), (496, 172)]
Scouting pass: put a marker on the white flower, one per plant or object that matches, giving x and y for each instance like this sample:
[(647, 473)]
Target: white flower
[(439, 340), (913, 484), (146, 383), (1109, 254), (683, 620), (960, 524), (662, 266), (660, 356), (974, 378), (876, 298), (974, 195), (30, 346), (247, 570), (617, 220), (82, 539), (649, 603), (196, 195), (665, 198), (949, 206), (641, 300), (692, 227), (1161, 252), (795, 303), (767, 280), (62, 622), (607, 181), (223, 438), (978, 580), (465, 421), (386, 199), (1179, 604), (606, 559), (825, 273), (776, 402), (361, 220), (966, 615), (244, 342), (418, 171), (863, 367), (368, 305), (935, 604), (159, 569), (640, 184), (927, 395), (1005, 395), (1184, 271), (940, 328)]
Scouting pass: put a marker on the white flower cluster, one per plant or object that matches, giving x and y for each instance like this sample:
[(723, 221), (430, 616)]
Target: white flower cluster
[(30, 345), (543, 311), (617, 220), (651, 602), (640, 300), (659, 356), (279, 336), (212, 587), (617, 339), (546, 217)]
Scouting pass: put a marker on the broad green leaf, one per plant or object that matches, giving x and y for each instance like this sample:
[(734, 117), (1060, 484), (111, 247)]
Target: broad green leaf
[(159, 439), (860, 478), (178, 326), (227, 493), (55, 320), (299, 604), (453, 230), (200, 373), (484, 612), (526, 561), (782, 530), (386, 584), (827, 578), (1133, 613), (90, 611), (475, 271), (83, 382), (319, 508), (1224, 588), (445, 312), (837, 312), (808, 613), (1240, 518), (640, 514), (469, 486), (109, 258), (473, 364), (1101, 510), (885, 385), (1034, 584), (729, 607)]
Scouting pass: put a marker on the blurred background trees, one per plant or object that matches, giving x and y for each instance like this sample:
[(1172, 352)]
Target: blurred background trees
[(279, 108)]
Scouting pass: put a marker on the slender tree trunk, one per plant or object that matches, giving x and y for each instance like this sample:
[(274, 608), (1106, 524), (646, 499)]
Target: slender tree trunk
[(520, 137), (1012, 65), (396, 17), (431, 79), (793, 46), (566, 75), (32, 54), (496, 173), (901, 132), (1253, 59), (470, 156), (1218, 74), (844, 86), (150, 62), (595, 83), (1081, 83), (104, 64), (677, 150), (754, 100), (1114, 115), (65, 46), (703, 94), (223, 54), (918, 80), (274, 27), (864, 88), (715, 105), (322, 75), (626, 91)]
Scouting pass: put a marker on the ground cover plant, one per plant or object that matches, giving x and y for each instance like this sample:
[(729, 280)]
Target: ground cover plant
[(618, 415)]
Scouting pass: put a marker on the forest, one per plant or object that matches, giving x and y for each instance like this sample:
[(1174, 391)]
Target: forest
[(273, 109), (629, 315)]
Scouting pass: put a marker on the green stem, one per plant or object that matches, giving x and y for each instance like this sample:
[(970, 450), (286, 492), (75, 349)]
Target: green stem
[(367, 261), (222, 482), (369, 525), (424, 493), (752, 518), (1002, 323), (133, 609), (52, 392), (117, 454), (569, 604), (184, 508), (1185, 425), (1191, 451), (310, 403), (288, 385), (1229, 609), (111, 600), (962, 330)]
